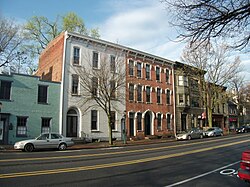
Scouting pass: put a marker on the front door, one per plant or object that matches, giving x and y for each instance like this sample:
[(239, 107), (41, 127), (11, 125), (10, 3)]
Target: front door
[(4, 130), (147, 122), (183, 122), (72, 123), (131, 124)]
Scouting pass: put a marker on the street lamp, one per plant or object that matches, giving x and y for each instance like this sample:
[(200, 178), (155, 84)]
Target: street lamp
[(124, 133)]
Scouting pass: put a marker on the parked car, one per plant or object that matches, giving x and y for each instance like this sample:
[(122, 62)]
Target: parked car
[(242, 129), (244, 170), (190, 134), (45, 141), (213, 131)]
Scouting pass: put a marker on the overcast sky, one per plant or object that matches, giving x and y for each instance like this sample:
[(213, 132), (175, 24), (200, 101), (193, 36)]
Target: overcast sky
[(139, 24)]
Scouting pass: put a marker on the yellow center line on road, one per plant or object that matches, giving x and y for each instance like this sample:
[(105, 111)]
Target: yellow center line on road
[(109, 153), (115, 164)]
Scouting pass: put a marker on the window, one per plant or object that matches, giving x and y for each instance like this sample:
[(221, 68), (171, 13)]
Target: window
[(158, 92), (95, 60), (187, 100), (167, 76), (139, 93), (5, 90), (181, 99), (168, 121), (147, 71), (94, 120), (76, 56), (112, 63), (43, 137), (75, 82), (45, 125), (159, 121), (112, 120), (168, 97), (148, 99), (131, 92), (112, 89), (195, 102), (21, 126), (138, 69), (131, 67), (139, 121), (157, 72), (94, 86), (42, 94), (183, 81), (56, 136)]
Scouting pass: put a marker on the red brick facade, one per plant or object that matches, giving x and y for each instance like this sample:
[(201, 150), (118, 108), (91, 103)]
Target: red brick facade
[(153, 107), (51, 59)]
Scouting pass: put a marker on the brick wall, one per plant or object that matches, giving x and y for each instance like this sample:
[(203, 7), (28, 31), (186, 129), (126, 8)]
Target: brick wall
[(51, 59), (153, 106)]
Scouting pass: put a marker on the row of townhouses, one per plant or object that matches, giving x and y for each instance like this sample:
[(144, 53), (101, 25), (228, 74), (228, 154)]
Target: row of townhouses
[(160, 96)]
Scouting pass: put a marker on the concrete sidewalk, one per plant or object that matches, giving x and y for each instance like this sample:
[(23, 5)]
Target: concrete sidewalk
[(96, 145)]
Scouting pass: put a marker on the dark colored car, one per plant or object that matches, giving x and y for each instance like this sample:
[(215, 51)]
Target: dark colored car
[(244, 171), (243, 129)]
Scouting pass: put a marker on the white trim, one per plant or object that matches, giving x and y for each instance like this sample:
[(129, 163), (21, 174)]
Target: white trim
[(62, 87)]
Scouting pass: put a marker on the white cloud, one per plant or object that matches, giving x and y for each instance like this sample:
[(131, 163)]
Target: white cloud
[(142, 25)]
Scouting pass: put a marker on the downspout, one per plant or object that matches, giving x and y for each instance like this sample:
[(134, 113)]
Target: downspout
[(62, 86), (173, 78)]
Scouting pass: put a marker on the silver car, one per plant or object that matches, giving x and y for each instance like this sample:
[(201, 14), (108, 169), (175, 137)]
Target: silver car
[(213, 131), (190, 134), (45, 141)]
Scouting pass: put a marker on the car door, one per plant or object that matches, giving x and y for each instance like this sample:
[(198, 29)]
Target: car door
[(42, 141), (55, 140), (194, 133)]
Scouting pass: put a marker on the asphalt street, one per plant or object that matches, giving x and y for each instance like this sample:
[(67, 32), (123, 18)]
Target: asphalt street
[(202, 162)]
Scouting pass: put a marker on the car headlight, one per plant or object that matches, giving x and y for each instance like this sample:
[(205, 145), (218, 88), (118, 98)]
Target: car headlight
[(19, 143)]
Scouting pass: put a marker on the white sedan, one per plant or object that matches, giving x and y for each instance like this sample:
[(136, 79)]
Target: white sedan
[(45, 141)]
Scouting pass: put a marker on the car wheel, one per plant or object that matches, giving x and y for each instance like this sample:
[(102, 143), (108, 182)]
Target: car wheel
[(201, 136), (29, 147), (62, 146), (189, 137)]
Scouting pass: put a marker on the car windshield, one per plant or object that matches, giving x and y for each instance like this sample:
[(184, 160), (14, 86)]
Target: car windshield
[(211, 129)]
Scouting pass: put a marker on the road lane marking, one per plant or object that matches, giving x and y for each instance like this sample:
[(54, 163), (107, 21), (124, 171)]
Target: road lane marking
[(115, 164), (106, 154), (202, 175), (227, 171)]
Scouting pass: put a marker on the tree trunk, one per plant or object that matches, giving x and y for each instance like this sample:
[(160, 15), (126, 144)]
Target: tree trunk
[(110, 131), (209, 117)]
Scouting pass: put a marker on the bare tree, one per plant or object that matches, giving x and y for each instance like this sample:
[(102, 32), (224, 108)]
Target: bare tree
[(220, 70), (10, 40), (203, 20), (40, 30), (103, 85)]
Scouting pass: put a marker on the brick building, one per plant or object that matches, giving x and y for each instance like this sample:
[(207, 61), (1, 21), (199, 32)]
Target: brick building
[(149, 101), (149, 96), (189, 97)]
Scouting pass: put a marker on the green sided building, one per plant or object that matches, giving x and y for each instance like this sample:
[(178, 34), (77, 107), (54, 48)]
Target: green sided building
[(29, 106)]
